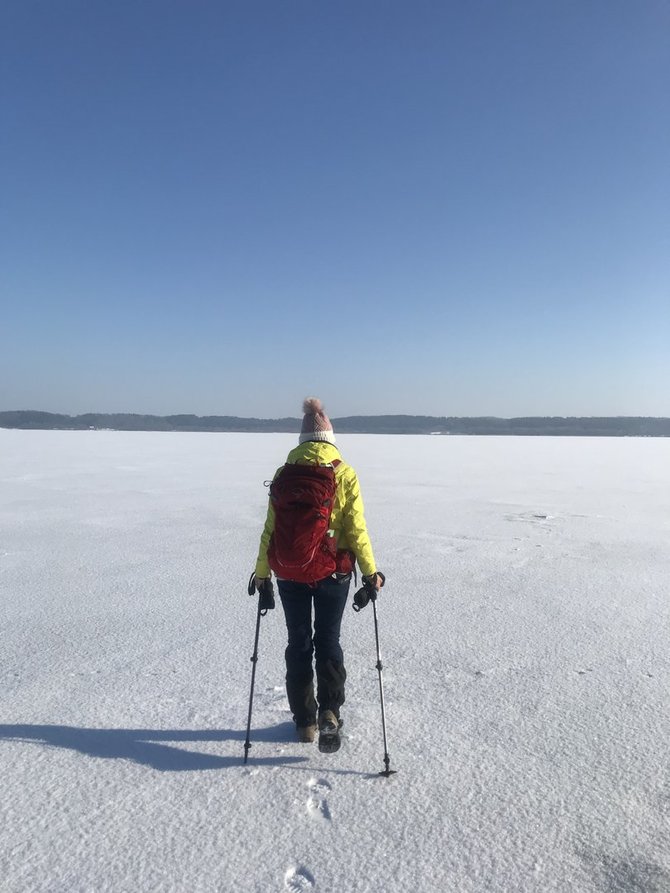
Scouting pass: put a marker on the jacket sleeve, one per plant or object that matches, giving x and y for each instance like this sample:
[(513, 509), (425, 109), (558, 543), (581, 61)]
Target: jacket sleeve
[(262, 566), (354, 525)]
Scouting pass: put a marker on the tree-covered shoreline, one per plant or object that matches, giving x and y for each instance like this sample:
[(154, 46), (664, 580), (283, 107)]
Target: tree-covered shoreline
[(585, 426)]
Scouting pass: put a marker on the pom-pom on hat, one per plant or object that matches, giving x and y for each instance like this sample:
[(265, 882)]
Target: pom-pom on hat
[(316, 424)]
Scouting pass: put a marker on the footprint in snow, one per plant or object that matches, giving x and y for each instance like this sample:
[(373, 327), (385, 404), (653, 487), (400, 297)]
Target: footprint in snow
[(298, 880), (317, 805), (318, 785)]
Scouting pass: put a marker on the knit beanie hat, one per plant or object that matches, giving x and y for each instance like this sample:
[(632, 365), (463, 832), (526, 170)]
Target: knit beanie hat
[(316, 424)]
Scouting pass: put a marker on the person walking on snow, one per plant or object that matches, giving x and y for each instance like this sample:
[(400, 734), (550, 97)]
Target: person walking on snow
[(318, 636)]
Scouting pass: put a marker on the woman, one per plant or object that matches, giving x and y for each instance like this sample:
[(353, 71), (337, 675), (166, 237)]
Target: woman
[(328, 595)]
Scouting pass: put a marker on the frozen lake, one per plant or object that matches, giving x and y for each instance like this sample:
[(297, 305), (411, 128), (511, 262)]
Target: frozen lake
[(524, 630)]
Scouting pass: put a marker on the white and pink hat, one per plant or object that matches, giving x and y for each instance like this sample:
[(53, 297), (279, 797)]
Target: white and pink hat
[(316, 424)]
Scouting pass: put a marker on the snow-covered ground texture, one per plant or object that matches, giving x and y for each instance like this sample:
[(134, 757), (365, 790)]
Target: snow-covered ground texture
[(525, 640)]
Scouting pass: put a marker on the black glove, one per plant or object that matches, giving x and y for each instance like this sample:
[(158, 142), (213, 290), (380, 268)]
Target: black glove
[(368, 591), (266, 592)]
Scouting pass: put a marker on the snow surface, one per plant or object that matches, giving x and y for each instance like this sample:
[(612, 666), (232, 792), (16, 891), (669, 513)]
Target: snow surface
[(524, 632)]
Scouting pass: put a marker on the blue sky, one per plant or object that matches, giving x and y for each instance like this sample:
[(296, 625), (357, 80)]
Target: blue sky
[(416, 207)]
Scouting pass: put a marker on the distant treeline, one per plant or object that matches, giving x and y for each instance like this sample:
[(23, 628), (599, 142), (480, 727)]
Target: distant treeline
[(623, 426)]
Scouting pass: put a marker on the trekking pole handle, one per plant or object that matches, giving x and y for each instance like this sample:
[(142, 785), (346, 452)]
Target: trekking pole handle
[(266, 594), (373, 589)]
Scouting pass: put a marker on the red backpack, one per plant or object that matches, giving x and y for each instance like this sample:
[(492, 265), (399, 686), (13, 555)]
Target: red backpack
[(302, 498)]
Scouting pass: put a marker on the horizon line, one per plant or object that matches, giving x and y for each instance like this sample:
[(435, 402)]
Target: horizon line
[(173, 415)]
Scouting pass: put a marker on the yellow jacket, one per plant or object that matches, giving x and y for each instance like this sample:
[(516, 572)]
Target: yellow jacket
[(347, 518)]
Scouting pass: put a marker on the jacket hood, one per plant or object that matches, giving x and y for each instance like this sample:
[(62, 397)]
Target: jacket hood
[(317, 452)]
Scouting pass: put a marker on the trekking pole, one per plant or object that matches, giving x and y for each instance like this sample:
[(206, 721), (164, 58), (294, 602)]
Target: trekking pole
[(266, 601), (361, 598)]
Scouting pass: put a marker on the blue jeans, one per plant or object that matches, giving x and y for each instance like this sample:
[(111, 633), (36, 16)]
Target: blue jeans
[(329, 597)]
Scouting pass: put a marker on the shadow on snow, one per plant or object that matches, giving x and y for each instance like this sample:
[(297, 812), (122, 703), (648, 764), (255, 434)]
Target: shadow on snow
[(149, 747)]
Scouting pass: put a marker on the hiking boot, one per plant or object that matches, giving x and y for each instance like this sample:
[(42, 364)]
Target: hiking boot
[(306, 734), (329, 732)]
